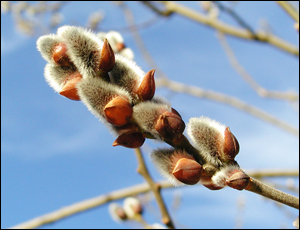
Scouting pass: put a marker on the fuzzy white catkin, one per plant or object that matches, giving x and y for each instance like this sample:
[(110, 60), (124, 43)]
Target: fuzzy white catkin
[(164, 160), (145, 115), (84, 49), (219, 179), (130, 205), (55, 75), (207, 135), (46, 43), (95, 93)]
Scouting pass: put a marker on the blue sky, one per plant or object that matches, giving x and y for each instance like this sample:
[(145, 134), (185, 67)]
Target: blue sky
[(54, 152)]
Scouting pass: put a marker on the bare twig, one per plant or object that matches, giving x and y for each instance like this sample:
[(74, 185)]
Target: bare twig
[(249, 79), (229, 29), (232, 101), (289, 9), (142, 169), (88, 204), (138, 39), (273, 173), (272, 193)]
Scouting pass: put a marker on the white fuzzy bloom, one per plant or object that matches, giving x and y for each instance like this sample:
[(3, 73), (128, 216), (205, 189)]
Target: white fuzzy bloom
[(56, 75), (146, 114), (95, 93), (46, 44), (219, 179), (207, 136), (126, 73), (165, 161), (84, 49)]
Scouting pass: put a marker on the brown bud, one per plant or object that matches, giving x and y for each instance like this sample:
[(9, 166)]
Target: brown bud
[(170, 126), (118, 111), (146, 89), (107, 58), (69, 90), (187, 171), (59, 55), (206, 176), (231, 145), (130, 140), (238, 180)]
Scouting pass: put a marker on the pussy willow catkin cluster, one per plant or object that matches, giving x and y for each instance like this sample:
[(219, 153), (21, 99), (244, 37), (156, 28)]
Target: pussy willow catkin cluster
[(85, 66)]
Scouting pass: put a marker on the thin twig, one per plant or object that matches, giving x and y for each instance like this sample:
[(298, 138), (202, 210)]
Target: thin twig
[(88, 204), (138, 39), (249, 79), (261, 36), (289, 9), (273, 173), (232, 101), (272, 193), (142, 169)]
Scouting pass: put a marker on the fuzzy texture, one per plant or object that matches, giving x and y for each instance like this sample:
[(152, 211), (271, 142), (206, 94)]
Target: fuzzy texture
[(219, 179), (116, 40), (207, 135), (126, 74), (46, 44), (96, 93), (146, 114), (56, 75), (84, 49), (165, 161)]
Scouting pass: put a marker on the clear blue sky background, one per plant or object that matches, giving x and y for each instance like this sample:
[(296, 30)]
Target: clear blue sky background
[(54, 152)]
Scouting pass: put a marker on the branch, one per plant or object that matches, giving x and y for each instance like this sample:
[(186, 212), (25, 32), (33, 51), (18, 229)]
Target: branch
[(229, 29), (142, 169), (289, 9), (272, 193), (232, 101), (249, 79), (87, 204)]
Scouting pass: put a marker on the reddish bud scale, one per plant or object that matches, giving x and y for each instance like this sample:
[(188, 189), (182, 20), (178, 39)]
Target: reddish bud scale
[(146, 89), (60, 56), (187, 171), (170, 126), (238, 180), (206, 180), (118, 111), (107, 58), (69, 89), (231, 145), (130, 140)]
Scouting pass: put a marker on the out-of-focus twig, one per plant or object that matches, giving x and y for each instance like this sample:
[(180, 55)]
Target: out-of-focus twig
[(142, 169), (272, 173), (232, 101), (260, 36), (289, 9), (88, 204), (249, 79), (138, 39)]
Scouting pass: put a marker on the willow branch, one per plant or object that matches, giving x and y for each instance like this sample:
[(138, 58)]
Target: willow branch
[(142, 169), (87, 204), (249, 79), (232, 101), (272, 193), (273, 173), (229, 29), (289, 9)]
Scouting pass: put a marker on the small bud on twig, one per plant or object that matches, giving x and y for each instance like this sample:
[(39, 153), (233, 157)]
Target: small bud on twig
[(146, 89), (69, 90), (130, 140), (118, 111), (187, 171), (107, 58), (60, 56)]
